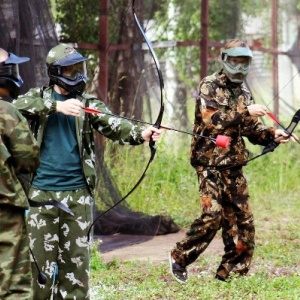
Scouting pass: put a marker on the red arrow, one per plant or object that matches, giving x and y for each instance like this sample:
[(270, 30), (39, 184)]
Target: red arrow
[(221, 141)]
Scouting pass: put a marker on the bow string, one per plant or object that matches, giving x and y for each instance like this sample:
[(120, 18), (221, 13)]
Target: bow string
[(158, 121)]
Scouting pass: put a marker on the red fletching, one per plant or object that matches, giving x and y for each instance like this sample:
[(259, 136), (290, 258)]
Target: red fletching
[(273, 117), (92, 110), (222, 141)]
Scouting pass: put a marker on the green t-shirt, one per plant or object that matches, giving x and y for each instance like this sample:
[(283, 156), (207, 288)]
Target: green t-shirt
[(60, 164)]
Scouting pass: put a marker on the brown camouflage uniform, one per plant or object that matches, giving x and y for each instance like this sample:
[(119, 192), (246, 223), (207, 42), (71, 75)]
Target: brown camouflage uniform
[(55, 236), (221, 109), (18, 153)]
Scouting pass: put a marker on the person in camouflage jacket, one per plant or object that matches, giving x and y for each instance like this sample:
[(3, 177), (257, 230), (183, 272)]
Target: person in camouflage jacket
[(224, 107), (19, 153), (67, 171)]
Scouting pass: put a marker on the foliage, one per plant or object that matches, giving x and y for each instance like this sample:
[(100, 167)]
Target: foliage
[(78, 21)]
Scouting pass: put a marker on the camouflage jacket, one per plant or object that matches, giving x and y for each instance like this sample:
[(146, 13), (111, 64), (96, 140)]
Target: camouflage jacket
[(19, 153), (221, 109), (35, 103)]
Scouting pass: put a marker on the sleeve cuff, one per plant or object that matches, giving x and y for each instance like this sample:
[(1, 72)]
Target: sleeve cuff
[(53, 106), (140, 138)]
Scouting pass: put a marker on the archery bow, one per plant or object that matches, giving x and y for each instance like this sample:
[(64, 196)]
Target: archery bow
[(289, 130), (160, 77), (156, 124)]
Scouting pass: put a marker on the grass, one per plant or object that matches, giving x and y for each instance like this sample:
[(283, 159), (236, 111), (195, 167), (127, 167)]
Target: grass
[(171, 188)]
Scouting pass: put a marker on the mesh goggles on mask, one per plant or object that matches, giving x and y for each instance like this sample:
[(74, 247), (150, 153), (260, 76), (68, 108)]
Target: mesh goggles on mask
[(69, 72), (9, 74), (236, 71)]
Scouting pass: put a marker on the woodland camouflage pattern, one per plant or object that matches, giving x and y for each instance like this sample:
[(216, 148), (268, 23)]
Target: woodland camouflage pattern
[(48, 221), (18, 153), (15, 266), (221, 109), (111, 127)]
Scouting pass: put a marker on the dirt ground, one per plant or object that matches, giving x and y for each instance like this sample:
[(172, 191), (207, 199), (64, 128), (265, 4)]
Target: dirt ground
[(143, 248), (155, 249)]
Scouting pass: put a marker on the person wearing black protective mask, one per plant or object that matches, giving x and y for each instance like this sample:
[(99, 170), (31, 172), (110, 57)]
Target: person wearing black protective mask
[(67, 69), (224, 106), (67, 171), (10, 79), (19, 153)]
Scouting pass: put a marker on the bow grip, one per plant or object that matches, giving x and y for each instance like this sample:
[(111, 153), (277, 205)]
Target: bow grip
[(270, 147)]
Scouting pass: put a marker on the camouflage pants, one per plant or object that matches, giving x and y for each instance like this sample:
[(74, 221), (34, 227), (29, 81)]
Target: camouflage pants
[(225, 203), (15, 268), (59, 239)]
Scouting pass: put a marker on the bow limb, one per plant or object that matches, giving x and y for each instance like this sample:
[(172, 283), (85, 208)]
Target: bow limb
[(157, 123), (289, 130), (160, 76)]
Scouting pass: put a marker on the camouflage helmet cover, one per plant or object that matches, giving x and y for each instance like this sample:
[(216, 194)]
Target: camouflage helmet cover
[(58, 59), (64, 55)]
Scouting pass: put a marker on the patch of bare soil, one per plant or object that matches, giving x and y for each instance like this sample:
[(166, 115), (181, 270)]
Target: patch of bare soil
[(155, 249)]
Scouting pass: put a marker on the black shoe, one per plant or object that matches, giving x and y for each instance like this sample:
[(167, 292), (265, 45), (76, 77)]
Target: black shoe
[(220, 278), (178, 272)]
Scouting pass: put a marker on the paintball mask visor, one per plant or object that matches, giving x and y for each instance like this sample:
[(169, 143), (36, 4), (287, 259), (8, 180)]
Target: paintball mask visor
[(237, 59), (73, 71), (236, 62), (9, 70)]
